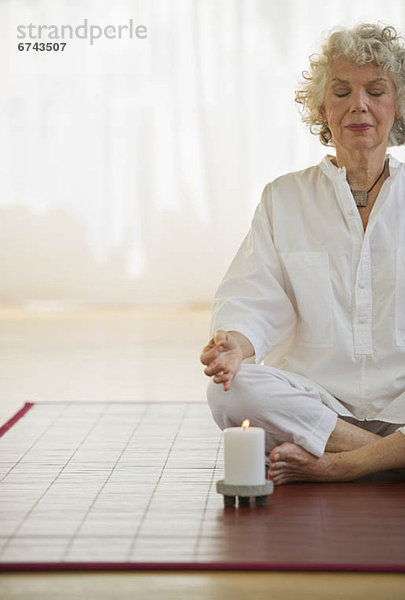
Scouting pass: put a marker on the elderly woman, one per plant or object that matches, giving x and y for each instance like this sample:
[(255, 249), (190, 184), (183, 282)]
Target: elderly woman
[(321, 275)]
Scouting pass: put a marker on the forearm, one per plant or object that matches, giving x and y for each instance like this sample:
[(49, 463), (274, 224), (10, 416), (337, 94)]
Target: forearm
[(245, 345), (383, 454)]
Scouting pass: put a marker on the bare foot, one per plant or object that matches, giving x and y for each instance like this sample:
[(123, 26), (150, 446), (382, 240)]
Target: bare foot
[(290, 462)]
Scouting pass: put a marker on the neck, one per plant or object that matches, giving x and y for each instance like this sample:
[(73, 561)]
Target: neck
[(362, 168)]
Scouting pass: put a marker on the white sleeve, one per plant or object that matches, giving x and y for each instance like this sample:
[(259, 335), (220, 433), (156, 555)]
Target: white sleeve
[(251, 298), (401, 429)]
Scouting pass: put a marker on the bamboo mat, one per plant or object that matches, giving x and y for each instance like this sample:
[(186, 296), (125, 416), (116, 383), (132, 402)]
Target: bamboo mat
[(132, 486)]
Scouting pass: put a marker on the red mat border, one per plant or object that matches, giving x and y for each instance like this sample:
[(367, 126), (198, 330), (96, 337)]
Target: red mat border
[(23, 411), (180, 566), (206, 566)]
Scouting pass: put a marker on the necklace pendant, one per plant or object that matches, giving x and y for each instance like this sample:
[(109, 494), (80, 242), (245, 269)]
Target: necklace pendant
[(361, 197)]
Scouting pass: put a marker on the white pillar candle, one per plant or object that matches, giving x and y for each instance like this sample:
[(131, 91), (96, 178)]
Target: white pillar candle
[(244, 455)]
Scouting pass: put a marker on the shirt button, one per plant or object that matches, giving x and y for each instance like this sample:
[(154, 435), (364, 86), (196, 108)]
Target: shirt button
[(362, 284), (362, 320)]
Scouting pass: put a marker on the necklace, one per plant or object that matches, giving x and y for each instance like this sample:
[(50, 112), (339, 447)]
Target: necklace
[(361, 196)]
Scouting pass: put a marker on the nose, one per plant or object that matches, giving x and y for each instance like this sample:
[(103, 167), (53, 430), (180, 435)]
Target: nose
[(358, 101)]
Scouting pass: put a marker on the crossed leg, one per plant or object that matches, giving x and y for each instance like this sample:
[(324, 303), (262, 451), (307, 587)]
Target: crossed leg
[(290, 462), (321, 446), (350, 453)]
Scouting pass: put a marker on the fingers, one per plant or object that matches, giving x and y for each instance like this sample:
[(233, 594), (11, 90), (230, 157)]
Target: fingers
[(220, 337), (215, 368), (225, 379), (209, 356), (211, 351), (220, 374)]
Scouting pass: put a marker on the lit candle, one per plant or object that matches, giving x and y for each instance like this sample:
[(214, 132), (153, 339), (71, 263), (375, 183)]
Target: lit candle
[(244, 455)]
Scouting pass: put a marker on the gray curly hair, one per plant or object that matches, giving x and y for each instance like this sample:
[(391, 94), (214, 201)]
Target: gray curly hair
[(365, 43)]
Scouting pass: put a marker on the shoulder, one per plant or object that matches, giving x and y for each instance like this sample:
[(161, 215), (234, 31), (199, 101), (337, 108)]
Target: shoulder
[(297, 183), (398, 166), (304, 176)]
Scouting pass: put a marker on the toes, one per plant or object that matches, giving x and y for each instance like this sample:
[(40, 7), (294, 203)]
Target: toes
[(277, 466), (275, 454), (276, 471), (282, 470), (282, 452)]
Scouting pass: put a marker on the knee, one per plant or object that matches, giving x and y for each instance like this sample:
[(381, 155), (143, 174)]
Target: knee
[(257, 392), (231, 407), (216, 402)]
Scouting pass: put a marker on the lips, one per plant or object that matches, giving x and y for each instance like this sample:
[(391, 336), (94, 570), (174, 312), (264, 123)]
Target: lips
[(358, 126)]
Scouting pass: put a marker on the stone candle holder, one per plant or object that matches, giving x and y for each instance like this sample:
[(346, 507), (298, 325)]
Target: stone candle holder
[(244, 493)]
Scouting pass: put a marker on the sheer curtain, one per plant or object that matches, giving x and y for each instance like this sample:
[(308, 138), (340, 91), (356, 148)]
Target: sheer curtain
[(130, 169)]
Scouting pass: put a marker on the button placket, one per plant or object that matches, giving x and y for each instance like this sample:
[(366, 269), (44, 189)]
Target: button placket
[(362, 324)]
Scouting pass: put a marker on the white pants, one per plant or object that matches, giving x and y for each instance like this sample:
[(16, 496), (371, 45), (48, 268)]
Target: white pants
[(289, 407)]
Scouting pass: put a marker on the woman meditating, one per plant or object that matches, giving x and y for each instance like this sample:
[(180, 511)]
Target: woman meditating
[(321, 275)]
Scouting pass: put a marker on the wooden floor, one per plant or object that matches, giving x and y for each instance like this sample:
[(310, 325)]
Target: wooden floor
[(124, 354)]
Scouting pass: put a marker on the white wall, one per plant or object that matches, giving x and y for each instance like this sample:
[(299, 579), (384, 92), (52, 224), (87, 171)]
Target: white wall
[(130, 169)]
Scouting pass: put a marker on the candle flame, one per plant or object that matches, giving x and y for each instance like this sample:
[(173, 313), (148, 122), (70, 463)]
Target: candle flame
[(245, 424)]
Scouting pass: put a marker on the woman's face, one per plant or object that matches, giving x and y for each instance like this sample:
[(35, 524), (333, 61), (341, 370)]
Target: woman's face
[(359, 106)]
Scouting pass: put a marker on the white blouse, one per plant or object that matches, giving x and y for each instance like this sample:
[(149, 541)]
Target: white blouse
[(308, 271)]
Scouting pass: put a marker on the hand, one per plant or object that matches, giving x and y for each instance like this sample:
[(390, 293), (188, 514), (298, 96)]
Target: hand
[(223, 356)]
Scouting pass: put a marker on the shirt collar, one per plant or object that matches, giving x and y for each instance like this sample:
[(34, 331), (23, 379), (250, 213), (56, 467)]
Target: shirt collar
[(334, 172)]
